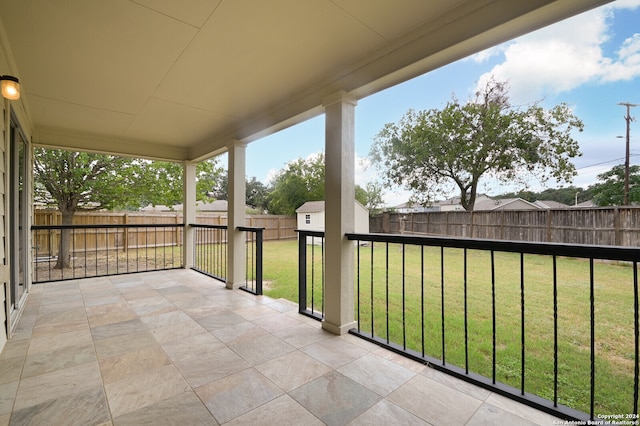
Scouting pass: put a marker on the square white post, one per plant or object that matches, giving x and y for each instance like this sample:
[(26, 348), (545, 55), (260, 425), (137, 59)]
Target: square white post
[(339, 212), (236, 273), (189, 213)]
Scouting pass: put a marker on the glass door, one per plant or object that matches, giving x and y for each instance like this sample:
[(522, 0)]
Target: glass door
[(18, 216)]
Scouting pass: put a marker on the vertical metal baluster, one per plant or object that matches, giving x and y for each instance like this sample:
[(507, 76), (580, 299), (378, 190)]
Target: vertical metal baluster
[(96, 249), (404, 296), (313, 274), (86, 271), (493, 314), (636, 328), (555, 332), (246, 262), (35, 257), (421, 296), (358, 285), (387, 290), (442, 302), (522, 324), (115, 246), (146, 248), (125, 244), (155, 248), (106, 234), (466, 322), (322, 282), (73, 250), (593, 336), (371, 297)]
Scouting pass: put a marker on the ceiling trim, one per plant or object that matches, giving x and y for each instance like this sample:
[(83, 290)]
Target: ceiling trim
[(63, 139)]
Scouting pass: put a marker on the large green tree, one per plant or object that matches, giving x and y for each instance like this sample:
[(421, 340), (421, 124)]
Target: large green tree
[(610, 190), (300, 181), (430, 152), (74, 181), (256, 191), (303, 180)]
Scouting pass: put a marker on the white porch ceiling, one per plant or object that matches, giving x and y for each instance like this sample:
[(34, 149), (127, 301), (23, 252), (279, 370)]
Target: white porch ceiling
[(178, 80)]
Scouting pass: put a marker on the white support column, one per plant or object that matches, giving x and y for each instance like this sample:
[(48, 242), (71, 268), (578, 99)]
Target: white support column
[(189, 213), (339, 213), (236, 274)]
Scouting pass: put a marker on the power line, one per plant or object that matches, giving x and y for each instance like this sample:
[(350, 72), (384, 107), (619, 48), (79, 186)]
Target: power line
[(605, 162)]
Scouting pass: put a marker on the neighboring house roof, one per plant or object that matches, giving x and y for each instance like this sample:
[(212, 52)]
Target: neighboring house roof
[(505, 204), (317, 206), (456, 200), (588, 203), (550, 204)]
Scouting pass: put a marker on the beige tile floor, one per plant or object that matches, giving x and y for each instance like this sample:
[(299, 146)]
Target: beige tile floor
[(177, 348)]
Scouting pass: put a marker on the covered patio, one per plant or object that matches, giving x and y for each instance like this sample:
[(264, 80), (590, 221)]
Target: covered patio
[(184, 82), (176, 347)]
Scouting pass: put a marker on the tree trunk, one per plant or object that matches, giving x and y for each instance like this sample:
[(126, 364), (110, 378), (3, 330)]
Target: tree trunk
[(64, 251)]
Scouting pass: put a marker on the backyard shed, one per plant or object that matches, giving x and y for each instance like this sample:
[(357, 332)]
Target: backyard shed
[(311, 217)]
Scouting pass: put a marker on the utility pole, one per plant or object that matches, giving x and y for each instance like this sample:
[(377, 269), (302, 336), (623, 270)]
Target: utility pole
[(628, 119)]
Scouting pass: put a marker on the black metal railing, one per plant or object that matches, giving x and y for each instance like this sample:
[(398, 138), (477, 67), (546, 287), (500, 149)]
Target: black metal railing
[(311, 273), (211, 254), (554, 326), (253, 259), (210, 250), (101, 250)]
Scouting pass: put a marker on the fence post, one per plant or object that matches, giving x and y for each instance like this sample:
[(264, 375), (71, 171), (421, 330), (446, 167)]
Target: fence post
[(549, 233), (617, 234), (446, 223)]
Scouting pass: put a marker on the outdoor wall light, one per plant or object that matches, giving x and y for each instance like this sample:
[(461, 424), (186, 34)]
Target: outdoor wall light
[(10, 87)]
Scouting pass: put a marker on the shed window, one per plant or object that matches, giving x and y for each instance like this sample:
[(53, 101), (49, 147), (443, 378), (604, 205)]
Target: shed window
[(307, 219)]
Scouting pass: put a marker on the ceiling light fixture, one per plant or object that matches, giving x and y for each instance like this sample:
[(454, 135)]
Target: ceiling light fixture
[(10, 87)]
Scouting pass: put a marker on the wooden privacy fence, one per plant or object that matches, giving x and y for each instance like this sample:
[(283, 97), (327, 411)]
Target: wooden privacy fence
[(275, 228), (618, 226)]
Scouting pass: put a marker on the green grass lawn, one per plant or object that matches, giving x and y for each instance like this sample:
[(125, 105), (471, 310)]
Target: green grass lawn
[(422, 303)]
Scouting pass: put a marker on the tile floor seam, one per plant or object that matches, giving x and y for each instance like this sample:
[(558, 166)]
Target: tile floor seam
[(104, 389), (24, 361)]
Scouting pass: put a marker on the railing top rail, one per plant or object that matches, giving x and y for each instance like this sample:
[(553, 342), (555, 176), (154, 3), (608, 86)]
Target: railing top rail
[(202, 225), (110, 226), (310, 233), (630, 254), (251, 228)]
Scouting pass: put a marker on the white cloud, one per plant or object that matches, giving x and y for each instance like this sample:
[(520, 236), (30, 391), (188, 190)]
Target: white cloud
[(564, 56), (628, 65), (487, 54)]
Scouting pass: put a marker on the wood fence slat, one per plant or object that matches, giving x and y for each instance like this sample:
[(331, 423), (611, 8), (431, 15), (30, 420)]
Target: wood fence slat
[(600, 225)]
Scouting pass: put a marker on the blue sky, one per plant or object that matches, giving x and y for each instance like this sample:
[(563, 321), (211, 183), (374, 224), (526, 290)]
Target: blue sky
[(591, 62)]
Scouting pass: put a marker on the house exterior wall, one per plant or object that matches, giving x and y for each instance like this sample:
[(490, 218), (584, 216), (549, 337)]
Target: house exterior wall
[(17, 108), (4, 269)]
